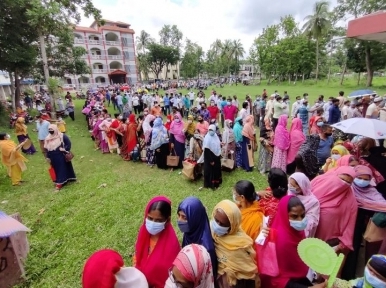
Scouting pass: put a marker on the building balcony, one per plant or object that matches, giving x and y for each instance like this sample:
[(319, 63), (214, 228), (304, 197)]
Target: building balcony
[(95, 57), (94, 42), (79, 41)]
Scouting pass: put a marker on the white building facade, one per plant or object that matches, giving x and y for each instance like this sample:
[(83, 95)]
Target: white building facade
[(110, 55)]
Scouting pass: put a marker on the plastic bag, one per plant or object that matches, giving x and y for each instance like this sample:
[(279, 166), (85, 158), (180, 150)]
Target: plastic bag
[(266, 256)]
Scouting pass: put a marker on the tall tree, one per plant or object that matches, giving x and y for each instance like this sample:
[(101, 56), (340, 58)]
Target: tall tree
[(238, 52), (143, 40), (176, 41), (165, 35), (316, 26), (160, 55)]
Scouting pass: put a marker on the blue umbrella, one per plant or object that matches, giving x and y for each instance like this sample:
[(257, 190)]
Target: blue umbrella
[(361, 93)]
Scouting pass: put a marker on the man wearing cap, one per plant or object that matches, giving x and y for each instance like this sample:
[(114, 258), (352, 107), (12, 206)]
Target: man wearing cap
[(12, 158), (373, 110)]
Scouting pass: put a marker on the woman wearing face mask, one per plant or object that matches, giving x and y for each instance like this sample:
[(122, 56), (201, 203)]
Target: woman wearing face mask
[(177, 138), (57, 144), (211, 159), (338, 208), (193, 222), (336, 153), (191, 268), (374, 275), (300, 186), (244, 195), (195, 153), (289, 225), (160, 143), (346, 160), (369, 201), (228, 141), (297, 138), (157, 244), (281, 144), (234, 248), (237, 131), (100, 135), (316, 127), (266, 150)]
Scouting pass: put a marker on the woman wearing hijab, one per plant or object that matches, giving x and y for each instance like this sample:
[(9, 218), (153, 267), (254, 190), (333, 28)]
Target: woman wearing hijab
[(316, 127), (281, 144), (21, 131), (177, 138), (338, 208), (237, 131), (193, 222), (337, 152), (57, 144), (190, 129), (248, 144), (228, 140), (306, 160), (157, 244), (130, 139), (234, 248), (108, 135), (212, 159), (300, 186), (369, 201), (244, 195), (12, 159), (160, 143), (191, 268), (374, 275), (99, 136), (266, 149), (148, 128), (346, 160), (297, 138), (105, 269), (289, 225)]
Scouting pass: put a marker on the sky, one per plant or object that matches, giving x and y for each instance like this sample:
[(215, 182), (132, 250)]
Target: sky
[(204, 21)]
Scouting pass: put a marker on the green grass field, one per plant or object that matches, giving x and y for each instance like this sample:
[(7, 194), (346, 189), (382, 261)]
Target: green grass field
[(68, 226)]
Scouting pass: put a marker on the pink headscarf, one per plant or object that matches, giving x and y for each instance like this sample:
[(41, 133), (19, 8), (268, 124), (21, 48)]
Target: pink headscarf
[(310, 202), (287, 241), (343, 161), (297, 138), (176, 129), (338, 206), (368, 197), (282, 137)]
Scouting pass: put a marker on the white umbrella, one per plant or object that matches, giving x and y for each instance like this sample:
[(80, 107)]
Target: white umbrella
[(371, 128)]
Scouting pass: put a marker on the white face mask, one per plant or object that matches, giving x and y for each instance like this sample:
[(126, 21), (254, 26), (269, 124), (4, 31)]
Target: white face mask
[(335, 156)]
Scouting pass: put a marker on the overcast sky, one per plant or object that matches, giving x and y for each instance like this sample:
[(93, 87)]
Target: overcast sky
[(203, 21)]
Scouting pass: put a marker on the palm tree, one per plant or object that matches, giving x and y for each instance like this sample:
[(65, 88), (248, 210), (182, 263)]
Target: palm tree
[(227, 52), (143, 40), (237, 51), (316, 25)]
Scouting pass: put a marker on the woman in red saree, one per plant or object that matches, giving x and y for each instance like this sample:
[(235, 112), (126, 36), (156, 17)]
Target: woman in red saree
[(129, 138), (157, 244)]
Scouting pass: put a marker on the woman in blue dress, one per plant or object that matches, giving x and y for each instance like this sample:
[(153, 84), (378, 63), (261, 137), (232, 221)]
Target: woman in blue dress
[(57, 144)]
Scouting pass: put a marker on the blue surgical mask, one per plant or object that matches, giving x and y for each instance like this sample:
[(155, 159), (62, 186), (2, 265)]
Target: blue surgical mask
[(235, 200), (335, 156), (319, 124), (229, 103), (211, 133), (183, 226), (292, 190), (372, 280), (217, 229), (177, 120), (361, 183), (154, 227), (299, 225)]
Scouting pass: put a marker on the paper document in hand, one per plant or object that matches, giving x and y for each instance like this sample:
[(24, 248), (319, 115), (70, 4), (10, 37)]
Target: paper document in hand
[(261, 237)]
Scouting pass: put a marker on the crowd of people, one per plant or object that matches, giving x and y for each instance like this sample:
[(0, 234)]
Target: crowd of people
[(321, 184)]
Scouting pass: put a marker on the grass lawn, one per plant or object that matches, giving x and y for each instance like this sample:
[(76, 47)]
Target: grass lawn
[(68, 226)]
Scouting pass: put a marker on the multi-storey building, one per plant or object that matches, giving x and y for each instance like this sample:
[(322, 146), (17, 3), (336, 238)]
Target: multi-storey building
[(110, 55)]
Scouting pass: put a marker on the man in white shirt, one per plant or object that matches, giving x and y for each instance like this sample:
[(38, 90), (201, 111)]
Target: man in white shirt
[(346, 111), (341, 99), (136, 103), (295, 107), (199, 100), (235, 102), (191, 97), (269, 106), (213, 97), (373, 109), (119, 103), (326, 108), (244, 112)]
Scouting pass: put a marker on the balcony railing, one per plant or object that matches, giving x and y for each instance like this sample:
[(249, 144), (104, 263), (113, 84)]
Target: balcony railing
[(113, 43), (97, 57), (94, 42), (100, 71), (115, 57), (78, 41)]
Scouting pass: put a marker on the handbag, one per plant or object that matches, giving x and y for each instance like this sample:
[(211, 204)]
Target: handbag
[(374, 233), (228, 164), (68, 156), (52, 173), (171, 160), (188, 168), (268, 251)]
